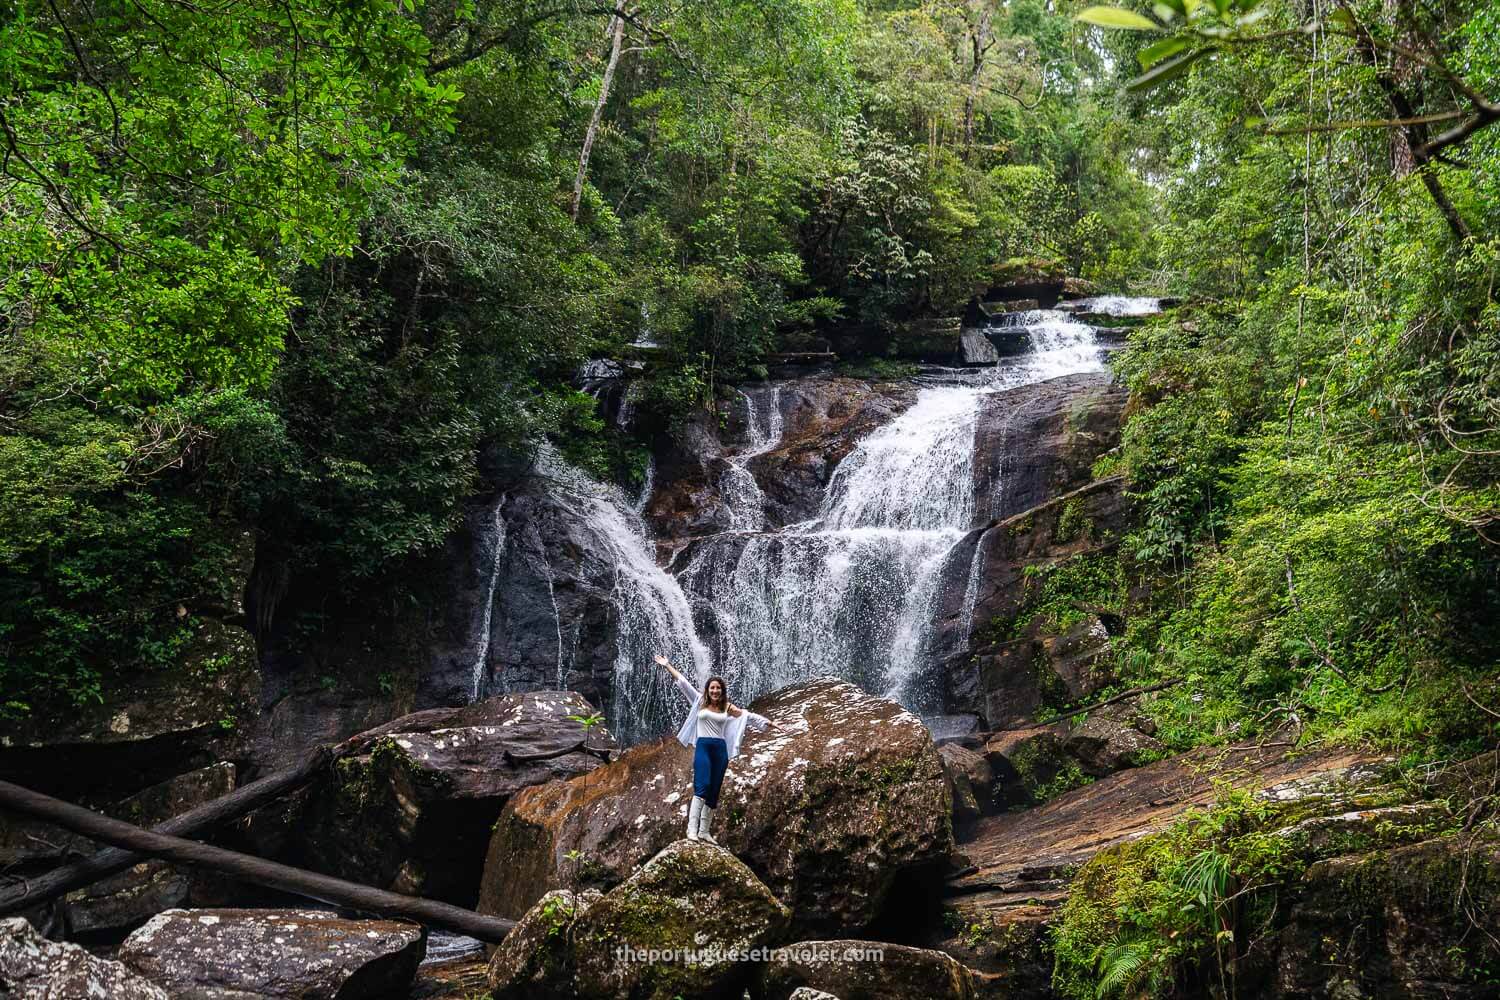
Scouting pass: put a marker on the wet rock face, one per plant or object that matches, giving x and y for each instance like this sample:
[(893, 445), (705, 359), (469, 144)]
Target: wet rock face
[(828, 813), (414, 814), (1037, 442), (822, 419), (33, 968), (553, 617), (629, 942), (1014, 660), (518, 599), (306, 954), (865, 970)]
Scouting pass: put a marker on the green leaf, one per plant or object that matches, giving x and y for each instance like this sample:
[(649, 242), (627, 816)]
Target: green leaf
[(1221, 7), (1157, 51), (1178, 6), (1169, 70), (1167, 12), (1117, 17)]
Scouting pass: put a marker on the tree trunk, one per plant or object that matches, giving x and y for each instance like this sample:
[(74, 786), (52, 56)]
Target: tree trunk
[(1402, 160), (1414, 136), (617, 35), (252, 869)]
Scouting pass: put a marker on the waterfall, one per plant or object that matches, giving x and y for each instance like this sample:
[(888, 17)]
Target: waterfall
[(492, 545), (848, 592), (737, 486), (1116, 305), (652, 613), (853, 591)]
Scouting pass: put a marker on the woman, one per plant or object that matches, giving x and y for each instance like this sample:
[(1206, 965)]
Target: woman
[(712, 729)]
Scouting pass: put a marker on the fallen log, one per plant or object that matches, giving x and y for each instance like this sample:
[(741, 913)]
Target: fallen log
[(31, 892), (251, 869)]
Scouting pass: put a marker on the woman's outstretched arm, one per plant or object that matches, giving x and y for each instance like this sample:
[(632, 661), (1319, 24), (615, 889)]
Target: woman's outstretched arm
[(756, 722), (688, 689), (676, 674)]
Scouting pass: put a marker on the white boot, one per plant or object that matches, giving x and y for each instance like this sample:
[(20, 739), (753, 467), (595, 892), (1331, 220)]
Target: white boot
[(695, 812), (704, 819)]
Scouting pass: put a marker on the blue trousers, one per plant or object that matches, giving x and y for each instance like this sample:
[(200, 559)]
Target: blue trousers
[(710, 759)]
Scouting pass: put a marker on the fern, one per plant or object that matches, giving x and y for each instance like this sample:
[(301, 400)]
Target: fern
[(1122, 965)]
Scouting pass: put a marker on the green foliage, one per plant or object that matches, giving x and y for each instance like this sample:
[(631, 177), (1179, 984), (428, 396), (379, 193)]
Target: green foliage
[(1314, 473), (1062, 595), (1144, 915)]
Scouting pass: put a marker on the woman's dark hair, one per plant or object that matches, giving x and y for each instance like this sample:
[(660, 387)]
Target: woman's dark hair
[(723, 704)]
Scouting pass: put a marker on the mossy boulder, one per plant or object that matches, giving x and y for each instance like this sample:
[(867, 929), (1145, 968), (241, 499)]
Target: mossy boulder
[(535, 961), (414, 814), (687, 924), (830, 811), (1030, 765), (1414, 921), (865, 970)]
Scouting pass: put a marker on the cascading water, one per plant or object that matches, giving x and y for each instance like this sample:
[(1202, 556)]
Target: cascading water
[(652, 613), (845, 593), (738, 486), (492, 545), (1115, 305), (851, 592)]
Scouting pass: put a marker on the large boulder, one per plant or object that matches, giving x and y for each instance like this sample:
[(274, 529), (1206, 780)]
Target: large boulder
[(970, 782), (147, 888), (865, 970), (1111, 739), (414, 814), (829, 812), (1030, 764), (635, 940), (305, 954), (33, 968)]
